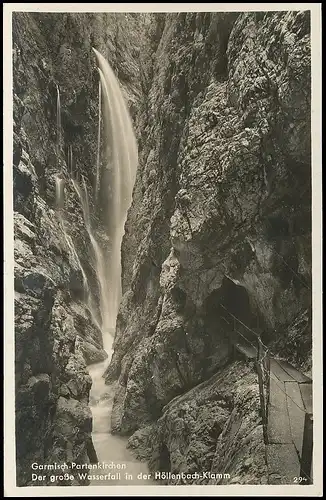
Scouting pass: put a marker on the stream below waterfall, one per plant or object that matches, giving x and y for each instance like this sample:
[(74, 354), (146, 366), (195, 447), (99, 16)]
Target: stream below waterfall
[(110, 448), (116, 168)]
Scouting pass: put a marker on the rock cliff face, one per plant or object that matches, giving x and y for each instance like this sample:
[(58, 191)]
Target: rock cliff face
[(220, 228), (217, 241), (55, 336)]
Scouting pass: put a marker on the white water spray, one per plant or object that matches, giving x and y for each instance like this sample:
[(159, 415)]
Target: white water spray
[(98, 159), (121, 157), (115, 171)]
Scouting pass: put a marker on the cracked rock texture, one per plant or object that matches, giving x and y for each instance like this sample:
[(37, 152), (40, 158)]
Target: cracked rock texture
[(213, 428), (55, 337), (220, 228), (217, 243)]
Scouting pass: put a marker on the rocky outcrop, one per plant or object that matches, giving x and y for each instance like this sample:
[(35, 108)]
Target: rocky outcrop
[(220, 228), (53, 332), (56, 336), (201, 433), (216, 246)]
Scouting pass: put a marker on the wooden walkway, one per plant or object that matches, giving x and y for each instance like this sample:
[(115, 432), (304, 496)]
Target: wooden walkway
[(289, 399)]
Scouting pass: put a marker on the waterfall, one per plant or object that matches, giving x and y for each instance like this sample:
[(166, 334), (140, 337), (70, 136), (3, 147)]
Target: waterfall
[(74, 253), (59, 194), (115, 175), (99, 259), (60, 203), (98, 159), (118, 176), (58, 120), (99, 266), (115, 172), (70, 161)]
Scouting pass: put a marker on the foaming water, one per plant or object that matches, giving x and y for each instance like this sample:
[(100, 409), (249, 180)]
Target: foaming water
[(114, 179), (110, 449)]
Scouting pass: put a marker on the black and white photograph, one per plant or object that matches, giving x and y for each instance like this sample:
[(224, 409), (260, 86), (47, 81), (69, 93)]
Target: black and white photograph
[(163, 171)]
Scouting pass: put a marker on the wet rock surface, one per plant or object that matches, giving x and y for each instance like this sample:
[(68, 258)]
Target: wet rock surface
[(53, 421), (219, 229), (55, 334)]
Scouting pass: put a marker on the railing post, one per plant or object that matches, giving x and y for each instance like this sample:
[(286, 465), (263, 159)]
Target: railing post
[(267, 368), (306, 455), (259, 364)]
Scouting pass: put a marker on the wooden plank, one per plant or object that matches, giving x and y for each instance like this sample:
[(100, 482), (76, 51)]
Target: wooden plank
[(277, 395), (295, 374), (278, 427), (279, 372), (282, 463), (296, 413), (306, 393)]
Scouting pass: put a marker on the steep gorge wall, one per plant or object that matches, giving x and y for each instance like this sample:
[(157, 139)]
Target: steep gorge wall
[(220, 221), (55, 337), (220, 227)]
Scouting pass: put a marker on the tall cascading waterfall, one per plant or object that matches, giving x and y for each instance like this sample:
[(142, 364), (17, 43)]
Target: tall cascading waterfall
[(114, 179), (118, 176), (98, 159)]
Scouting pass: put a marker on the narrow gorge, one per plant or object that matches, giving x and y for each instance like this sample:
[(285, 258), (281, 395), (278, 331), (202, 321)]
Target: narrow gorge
[(162, 218)]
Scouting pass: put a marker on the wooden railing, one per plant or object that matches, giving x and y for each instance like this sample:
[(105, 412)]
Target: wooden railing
[(306, 455), (263, 368), (263, 382)]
